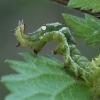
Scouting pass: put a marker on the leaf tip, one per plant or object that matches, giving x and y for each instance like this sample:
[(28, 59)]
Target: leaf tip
[(7, 61), (64, 14), (2, 79)]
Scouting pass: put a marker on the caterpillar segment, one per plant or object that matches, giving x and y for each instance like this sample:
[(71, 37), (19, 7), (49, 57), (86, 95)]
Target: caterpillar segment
[(66, 47)]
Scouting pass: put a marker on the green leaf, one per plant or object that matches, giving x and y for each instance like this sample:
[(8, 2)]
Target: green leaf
[(88, 28), (85, 4), (43, 78)]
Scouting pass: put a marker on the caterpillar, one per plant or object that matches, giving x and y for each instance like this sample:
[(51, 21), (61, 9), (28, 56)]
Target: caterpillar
[(66, 47)]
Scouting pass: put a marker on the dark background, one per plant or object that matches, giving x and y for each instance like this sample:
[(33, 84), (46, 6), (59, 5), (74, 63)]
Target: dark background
[(35, 13)]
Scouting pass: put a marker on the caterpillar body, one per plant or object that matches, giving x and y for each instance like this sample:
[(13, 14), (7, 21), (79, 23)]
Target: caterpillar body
[(66, 47)]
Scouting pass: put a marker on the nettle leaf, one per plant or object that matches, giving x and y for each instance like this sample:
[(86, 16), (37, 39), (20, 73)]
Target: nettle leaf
[(43, 78), (85, 4), (88, 28)]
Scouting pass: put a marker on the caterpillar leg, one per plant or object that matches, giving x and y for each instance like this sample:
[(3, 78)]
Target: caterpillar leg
[(54, 52), (18, 44), (36, 52)]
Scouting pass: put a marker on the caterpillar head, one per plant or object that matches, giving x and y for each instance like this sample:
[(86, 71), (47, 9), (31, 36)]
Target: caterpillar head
[(19, 32), (31, 39)]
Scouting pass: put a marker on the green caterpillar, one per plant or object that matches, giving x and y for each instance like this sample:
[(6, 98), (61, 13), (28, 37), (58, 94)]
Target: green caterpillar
[(66, 47)]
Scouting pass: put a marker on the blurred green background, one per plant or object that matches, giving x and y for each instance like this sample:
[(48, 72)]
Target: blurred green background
[(35, 13)]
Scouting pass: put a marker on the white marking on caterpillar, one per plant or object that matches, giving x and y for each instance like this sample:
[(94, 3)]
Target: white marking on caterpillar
[(43, 27)]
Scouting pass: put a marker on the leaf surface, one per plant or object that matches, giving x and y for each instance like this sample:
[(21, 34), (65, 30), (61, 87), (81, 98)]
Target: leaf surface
[(43, 78), (85, 4), (88, 28)]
